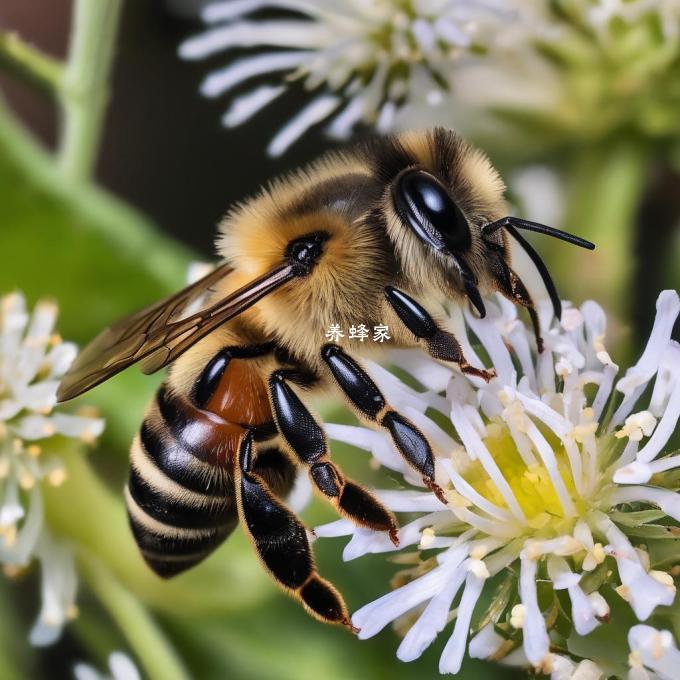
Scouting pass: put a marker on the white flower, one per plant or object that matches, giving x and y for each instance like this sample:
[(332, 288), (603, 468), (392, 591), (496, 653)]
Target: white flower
[(564, 668), (546, 469), (652, 649), (396, 64), (364, 60), (121, 667), (32, 362)]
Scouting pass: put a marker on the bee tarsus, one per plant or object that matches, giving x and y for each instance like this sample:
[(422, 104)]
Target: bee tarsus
[(280, 540), (439, 343), (307, 443)]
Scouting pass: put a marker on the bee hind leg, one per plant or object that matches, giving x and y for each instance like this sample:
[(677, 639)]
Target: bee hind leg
[(281, 542), (370, 404), (308, 442), (440, 344)]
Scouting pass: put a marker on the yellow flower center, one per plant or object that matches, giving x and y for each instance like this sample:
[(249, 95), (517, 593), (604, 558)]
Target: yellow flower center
[(531, 484)]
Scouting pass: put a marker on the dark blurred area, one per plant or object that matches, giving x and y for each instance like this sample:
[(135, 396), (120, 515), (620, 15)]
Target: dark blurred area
[(164, 149)]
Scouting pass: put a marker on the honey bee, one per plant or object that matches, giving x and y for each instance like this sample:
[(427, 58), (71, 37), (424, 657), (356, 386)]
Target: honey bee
[(384, 233)]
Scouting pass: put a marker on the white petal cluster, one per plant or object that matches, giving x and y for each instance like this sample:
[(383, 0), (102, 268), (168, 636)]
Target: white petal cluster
[(393, 63), (546, 469), (121, 667), (364, 60), (32, 361), (653, 654)]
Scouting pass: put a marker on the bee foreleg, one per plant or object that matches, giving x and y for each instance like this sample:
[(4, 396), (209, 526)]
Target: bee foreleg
[(510, 285), (309, 445), (441, 344), (281, 542), (367, 399)]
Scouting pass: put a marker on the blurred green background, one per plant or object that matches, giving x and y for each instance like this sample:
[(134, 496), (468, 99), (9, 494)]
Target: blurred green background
[(112, 227)]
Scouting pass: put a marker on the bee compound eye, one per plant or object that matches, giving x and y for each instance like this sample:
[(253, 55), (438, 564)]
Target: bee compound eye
[(306, 250), (425, 204)]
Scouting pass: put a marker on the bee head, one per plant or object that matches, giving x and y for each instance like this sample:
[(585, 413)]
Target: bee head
[(441, 192), (425, 206), (448, 221)]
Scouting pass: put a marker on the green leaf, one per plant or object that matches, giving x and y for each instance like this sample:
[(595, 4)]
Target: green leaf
[(97, 258), (663, 553), (636, 518)]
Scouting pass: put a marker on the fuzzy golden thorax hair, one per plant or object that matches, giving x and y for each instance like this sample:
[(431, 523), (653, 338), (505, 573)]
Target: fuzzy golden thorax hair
[(348, 197)]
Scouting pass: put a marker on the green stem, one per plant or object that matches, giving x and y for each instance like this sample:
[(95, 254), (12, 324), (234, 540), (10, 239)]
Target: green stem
[(143, 634), (605, 187), (164, 259), (82, 90), (30, 60), (84, 93)]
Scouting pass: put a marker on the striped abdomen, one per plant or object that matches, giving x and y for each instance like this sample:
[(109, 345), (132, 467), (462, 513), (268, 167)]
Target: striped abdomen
[(180, 495)]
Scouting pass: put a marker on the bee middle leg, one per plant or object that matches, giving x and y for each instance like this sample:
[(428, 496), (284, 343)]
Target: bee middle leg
[(281, 541), (440, 344), (369, 402), (309, 444)]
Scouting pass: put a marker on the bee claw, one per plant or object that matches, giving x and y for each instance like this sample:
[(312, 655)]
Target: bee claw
[(489, 375), (394, 536), (353, 629), (436, 490), (486, 375)]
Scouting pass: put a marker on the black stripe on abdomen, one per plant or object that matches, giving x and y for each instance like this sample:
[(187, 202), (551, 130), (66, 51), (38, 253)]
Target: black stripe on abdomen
[(180, 464), (169, 550), (188, 510), (180, 499)]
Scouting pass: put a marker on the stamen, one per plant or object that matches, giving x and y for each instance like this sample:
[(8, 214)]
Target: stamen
[(474, 445), (544, 449), (644, 592), (433, 619), (475, 498), (452, 656), (636, 378), (664, 429), (373, 617), (536, 641), (667, 500)]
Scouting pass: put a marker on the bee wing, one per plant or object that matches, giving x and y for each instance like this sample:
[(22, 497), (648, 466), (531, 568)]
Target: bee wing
[(158, 334)]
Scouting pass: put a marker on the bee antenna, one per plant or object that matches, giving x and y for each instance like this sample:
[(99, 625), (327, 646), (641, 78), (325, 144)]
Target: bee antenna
[(542, 270), (519, 223)]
